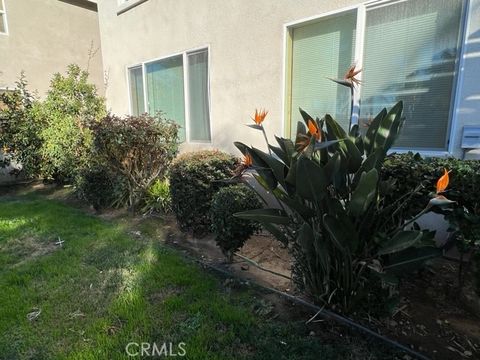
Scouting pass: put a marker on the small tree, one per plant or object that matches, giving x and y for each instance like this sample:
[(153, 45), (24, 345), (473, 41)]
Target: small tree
[(139, 148), (70, 109)]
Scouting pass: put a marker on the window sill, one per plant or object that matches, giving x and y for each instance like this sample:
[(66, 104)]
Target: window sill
[(129, 5)]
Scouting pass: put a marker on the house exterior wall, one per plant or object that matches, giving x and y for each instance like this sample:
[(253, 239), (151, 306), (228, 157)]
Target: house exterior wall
[(44, 36), (247, 44)]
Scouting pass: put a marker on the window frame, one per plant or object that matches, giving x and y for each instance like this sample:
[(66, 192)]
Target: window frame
[(361, 12), (184, 54), (3, 14)]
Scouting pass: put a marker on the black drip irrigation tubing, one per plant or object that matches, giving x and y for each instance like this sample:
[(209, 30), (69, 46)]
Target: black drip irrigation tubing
[(320, 311)]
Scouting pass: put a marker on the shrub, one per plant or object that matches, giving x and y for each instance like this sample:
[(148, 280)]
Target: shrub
[(137, 148), (101, 187), (415, 173), (231, 232), (71, 107), (194, 179), (157, 199), (19, 132)]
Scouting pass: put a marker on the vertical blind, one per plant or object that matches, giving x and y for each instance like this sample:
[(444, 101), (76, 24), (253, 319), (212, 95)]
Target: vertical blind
[(165, 91), (410, 54), (137, 100), (322, 50), (198, 96)]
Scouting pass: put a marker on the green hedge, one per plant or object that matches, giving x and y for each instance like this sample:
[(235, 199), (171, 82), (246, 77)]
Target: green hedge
[(194, 178), (411, 170), (231, 232)]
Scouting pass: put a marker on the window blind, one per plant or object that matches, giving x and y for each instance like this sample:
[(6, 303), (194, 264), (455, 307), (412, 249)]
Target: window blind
[(199, 112), (165, 91), (410, 54), (320, 50)]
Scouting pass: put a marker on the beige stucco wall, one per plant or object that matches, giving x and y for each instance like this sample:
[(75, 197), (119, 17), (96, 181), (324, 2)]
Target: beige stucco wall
[(44, 36), (246, 53), (246, 43)]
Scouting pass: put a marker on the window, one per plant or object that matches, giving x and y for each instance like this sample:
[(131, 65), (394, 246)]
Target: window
[(178, 87), (3, 18), (410, 52), (137, 101)]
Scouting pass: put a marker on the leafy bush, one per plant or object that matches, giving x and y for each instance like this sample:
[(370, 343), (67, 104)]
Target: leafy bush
[(71, 107), (101, 188), (157, 199), (333, 212), (137, 148), (231, 232), (19, 132), (194, 179), (415, 174)]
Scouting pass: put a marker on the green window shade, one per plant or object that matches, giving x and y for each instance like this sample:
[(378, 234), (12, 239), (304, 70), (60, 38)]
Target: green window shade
[(320, 50), (199, 111), (136, 91), (165, 90), (410, 54)]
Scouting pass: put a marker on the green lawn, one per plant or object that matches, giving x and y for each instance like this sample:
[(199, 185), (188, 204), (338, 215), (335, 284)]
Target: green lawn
[(104, 288)]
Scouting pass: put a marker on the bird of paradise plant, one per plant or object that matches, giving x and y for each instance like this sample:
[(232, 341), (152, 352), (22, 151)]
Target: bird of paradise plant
[(332, 213)]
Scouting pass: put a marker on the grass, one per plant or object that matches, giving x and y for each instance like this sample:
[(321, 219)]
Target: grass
[(104, 287)]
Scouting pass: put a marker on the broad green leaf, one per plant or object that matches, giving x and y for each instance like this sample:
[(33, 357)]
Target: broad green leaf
[(244, 149), (305, 116), (311, 182), (332, 167), (400, 241), (280, 153), (372, 131), (353, 156), (274, 216), (411, 259), (388, 128), (334, 129), (364, 193), (288, 148), (277, 167)]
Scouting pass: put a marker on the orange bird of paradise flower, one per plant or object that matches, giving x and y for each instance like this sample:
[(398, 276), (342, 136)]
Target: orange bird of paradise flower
[(443, 181), (259, 116), (350, 76), (314, 130), (247, 161)]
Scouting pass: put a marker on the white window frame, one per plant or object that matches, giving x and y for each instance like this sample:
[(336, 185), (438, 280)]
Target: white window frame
[(3, 14), (186, 96), (361, 10)]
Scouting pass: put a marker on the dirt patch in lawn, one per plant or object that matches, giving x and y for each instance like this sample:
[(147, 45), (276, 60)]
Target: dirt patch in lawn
[(28, 248), (433, 316)]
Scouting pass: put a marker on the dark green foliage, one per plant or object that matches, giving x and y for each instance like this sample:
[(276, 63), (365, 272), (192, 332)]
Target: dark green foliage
[(194, 178), (334, 211), (19, 132), (406, 172), (101, 187), (137, 148), (231, 232)]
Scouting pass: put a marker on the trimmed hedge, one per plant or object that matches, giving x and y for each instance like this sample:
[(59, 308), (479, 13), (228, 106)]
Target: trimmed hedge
[(194, 178), (232, 232)]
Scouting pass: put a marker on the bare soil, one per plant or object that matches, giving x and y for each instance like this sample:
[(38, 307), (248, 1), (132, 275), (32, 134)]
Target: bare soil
[(434, 317)]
